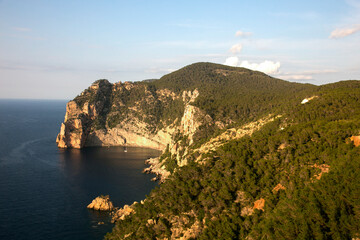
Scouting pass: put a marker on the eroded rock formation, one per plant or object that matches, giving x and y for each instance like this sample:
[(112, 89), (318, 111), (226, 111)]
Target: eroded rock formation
[(101, 203), (121, 213), (118, 114), (356, 140)]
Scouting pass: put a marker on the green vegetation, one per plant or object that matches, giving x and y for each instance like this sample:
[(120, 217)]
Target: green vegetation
[(100, 97), (121, 102), (295, 151), (232, 93)]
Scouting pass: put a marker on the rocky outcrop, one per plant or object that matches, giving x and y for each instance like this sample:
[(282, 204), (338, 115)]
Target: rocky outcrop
[(183, 229), (100, 116), (244, 199), (278, 188), (101, 203), (72, 133), (233, 133), (156, 167), (192, 119), (259, 204), (355, 140), (324, 168), (77, 123), (306, 100), (121, 213), (133, 134)]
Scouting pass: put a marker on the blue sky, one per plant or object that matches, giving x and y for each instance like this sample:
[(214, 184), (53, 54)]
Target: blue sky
[(55, 49)]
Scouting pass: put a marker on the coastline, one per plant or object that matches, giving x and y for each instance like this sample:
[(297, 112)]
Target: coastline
[(156, 167)]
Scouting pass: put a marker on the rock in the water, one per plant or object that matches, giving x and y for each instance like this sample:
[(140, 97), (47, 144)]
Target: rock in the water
[(101, 203)]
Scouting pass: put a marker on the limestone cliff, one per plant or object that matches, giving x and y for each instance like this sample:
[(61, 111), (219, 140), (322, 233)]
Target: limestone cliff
[(125, 114), (80, 115), (192, 119), (72, 132), (108, 114)]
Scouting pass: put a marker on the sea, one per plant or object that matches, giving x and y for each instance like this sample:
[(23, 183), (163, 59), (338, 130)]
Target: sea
[(44, 190)]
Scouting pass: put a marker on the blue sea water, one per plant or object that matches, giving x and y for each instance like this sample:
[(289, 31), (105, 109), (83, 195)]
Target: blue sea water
[(44, 190)]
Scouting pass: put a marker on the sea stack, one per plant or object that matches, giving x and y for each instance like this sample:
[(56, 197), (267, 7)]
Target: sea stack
[(101, 203)]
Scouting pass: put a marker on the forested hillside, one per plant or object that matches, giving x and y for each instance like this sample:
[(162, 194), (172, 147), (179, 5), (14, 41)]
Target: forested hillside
[(295, 178), (233, 93)]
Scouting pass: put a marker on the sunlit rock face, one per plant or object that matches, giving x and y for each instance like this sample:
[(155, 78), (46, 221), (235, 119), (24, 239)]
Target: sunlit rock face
[(101, 203), (89, 118)]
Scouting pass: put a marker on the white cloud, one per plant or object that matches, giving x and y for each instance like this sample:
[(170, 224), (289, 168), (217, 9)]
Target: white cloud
[(268, 67), (304, 75), (344, 32), (323, 71), (295, 77), (243, 34), (232, 61), (236, 48), (160, 70)]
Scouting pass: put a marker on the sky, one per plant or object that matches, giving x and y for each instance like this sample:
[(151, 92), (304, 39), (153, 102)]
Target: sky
[(56, 49)]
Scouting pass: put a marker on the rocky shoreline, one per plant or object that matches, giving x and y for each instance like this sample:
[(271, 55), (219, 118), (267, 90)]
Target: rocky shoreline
[(103, 203), (119, 214), (156, 168)]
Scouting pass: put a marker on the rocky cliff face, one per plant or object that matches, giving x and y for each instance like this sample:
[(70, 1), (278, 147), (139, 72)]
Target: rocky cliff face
[(125, 114), (72, 132), (193, 117), (80, 115)]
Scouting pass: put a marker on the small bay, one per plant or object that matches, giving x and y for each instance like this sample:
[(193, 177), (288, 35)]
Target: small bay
[(44, 190)]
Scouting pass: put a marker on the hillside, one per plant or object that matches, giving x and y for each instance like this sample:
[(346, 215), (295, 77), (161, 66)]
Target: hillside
[(244, 155), (232, 93), (295, 178)]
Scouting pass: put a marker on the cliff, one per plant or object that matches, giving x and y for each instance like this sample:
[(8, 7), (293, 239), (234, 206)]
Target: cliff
[(95, 123), (108, 114)]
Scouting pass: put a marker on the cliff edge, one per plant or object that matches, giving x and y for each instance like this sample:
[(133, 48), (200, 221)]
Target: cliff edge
[(129, 114), (108, 114)]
